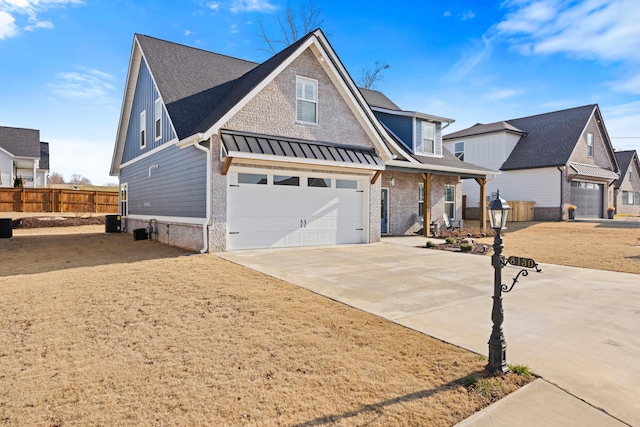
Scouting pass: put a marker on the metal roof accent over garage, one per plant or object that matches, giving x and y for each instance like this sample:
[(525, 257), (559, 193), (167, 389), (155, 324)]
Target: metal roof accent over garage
[(593, 171), (248, 145)]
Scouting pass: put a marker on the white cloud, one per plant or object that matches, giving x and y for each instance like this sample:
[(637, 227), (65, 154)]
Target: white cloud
[(498, 94), (10, 9), (234, 29), (469, 60), (214, 6), (605, 30), (446, 13), (90, 85), (252, 6), (189, 32), (467, 14), (622, 125), (630, 84), (7, 26)]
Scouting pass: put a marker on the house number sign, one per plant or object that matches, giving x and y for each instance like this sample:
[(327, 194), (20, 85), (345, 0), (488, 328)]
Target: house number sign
[(522, 262)]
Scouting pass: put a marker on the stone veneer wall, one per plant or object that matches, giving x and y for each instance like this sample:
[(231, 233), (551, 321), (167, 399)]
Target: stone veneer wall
[(403, 200), (188, 236)]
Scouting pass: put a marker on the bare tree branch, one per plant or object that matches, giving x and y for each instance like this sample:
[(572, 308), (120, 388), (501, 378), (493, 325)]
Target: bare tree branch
[(369, 76), (292, 26)]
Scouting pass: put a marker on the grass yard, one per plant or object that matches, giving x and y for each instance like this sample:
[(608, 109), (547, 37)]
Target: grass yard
[(98, 329)]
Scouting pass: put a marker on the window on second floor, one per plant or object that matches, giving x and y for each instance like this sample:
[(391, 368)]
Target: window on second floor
[(590, 144), (143, 129), (459, 150), (426, 143), (306, 100), (630, 175), (157, 115)]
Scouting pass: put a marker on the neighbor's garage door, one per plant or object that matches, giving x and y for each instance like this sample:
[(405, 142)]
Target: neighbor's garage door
[(587, 197), (268, 209)]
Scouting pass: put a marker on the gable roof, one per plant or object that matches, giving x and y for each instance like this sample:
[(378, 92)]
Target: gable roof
[(199, 101), (20, 142), (546, 140), (625, 159), (480, 128)]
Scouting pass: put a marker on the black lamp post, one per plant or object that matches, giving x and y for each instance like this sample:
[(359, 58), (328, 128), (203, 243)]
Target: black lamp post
[(498, 211)]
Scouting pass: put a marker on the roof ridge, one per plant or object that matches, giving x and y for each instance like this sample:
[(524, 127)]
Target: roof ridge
[(554, 112), (195, 48)]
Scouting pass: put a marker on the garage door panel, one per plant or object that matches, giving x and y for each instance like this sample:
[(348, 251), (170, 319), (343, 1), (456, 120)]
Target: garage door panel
[(588, 198), (264, 216)]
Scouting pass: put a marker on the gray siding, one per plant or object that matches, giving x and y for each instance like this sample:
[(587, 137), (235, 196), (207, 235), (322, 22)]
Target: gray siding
[(144, 99), (399, 125), (177, 187)]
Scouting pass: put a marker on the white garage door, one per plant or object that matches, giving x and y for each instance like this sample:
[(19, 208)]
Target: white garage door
[(270, 209)]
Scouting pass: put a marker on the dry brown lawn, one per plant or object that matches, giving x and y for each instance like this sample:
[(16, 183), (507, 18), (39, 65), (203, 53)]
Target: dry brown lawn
[(98, 329), (602, 245)]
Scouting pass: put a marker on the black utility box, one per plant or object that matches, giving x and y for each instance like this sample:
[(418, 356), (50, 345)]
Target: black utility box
[(6, 228), (112, 223), (140, 234)]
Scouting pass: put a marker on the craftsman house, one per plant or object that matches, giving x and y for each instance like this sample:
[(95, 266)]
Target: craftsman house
[(24, 159), (553, 159), (219, 153), (627, 200)]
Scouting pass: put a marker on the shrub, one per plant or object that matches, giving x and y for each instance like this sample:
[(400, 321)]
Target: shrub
[(431, 244), (466, 247), (450, 240)]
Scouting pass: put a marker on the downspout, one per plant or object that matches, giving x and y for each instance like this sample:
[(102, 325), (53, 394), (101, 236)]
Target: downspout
[(205, 234), (561, 191)]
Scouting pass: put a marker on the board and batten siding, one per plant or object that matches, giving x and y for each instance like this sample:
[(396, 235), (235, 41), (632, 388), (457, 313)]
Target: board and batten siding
[(489, 150), (175, 188), (401, 126), (144, 100), (540, 185)]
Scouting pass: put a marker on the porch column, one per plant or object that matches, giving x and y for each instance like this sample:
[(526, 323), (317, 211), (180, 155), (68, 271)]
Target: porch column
[(426, 204), (482, 182)]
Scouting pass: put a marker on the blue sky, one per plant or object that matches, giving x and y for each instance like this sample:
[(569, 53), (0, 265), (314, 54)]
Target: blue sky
[(63, 63)]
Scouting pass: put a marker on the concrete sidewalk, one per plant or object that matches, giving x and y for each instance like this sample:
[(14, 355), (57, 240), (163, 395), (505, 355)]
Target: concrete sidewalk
[(577, 328)]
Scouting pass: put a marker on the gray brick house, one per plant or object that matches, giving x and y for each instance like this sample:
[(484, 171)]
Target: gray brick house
[(627, 187), (219, 153)]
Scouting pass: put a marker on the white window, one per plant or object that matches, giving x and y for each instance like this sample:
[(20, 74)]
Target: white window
[(421, 199), (450, 200), (426, 142), (459, 150), (590, 144), (157, 115), (306, 100), (143, 129)]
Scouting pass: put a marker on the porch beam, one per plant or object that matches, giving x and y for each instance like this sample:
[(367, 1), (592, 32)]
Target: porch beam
[(375, 177), (226, 165), (427, 178), (482, 182)]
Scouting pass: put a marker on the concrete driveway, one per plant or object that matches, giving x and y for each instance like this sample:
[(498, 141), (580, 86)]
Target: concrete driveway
[(577, 328)]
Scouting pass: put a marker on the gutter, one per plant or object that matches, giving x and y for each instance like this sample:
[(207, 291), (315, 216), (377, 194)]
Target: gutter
[(205, 224)]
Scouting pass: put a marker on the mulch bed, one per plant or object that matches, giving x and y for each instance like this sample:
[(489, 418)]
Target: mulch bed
[(56, 221)]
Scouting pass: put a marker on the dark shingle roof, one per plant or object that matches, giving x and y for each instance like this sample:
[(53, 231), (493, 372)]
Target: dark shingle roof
[(550, 138), (624, 159), (547, 139), (480, 128), (378, 99), (20, 142), (199, 87)]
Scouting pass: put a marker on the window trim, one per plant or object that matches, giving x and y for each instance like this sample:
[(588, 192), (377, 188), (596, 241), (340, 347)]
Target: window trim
[(459, 153), (450, 202), (421, 199), (157, 122), (589, 144), (143, 129), (124, 198), (303, 80)]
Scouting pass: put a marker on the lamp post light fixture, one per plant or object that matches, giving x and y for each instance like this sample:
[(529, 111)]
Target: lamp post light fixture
[(498, 212)]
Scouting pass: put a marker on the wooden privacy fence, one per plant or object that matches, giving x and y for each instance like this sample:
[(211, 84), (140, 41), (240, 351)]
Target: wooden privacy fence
[(57, 200), (521, 210)]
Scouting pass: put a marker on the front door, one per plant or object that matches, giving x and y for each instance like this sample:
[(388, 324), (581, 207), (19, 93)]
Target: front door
[(384, 215)]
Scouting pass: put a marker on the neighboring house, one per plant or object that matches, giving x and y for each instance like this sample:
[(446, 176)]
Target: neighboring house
[(23, 155), (627, 199), (219, 153), (553, 159), (427, 170)]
